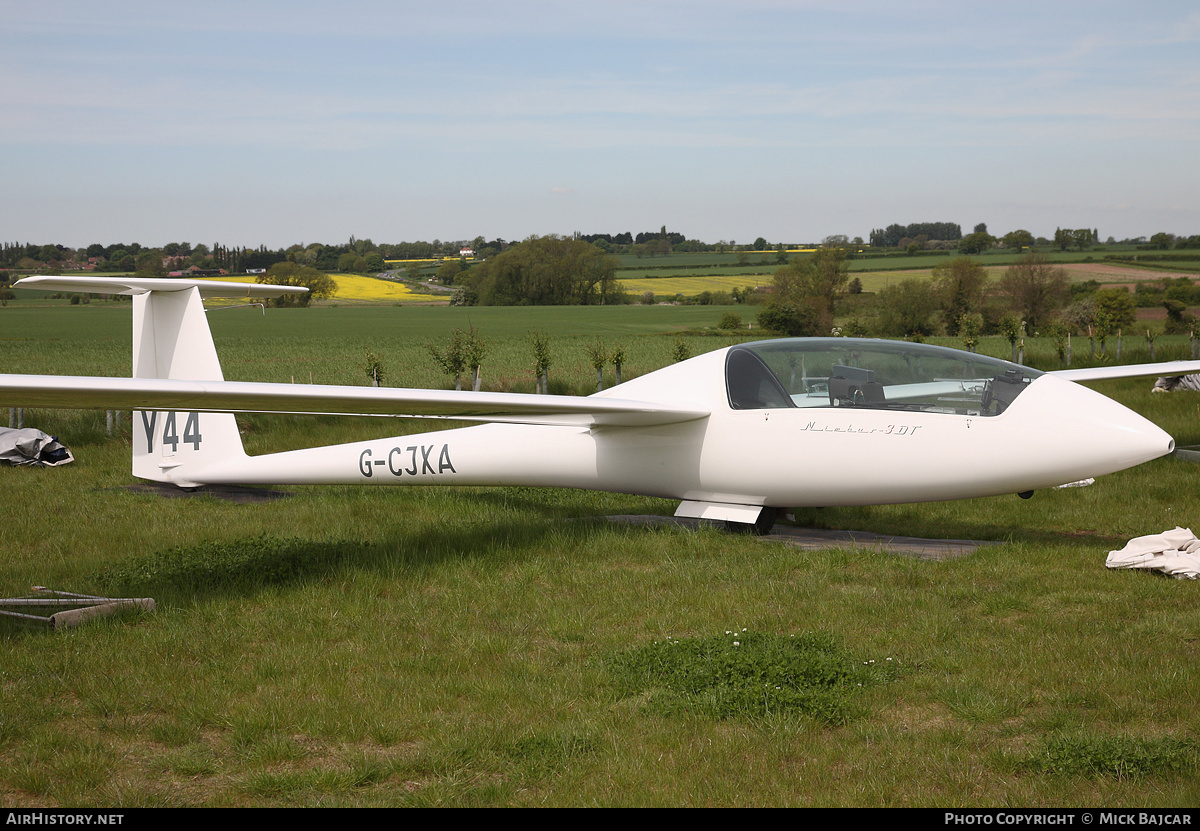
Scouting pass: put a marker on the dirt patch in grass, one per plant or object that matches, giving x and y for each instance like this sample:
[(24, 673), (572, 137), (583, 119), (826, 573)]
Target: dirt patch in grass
[(1080, 272)]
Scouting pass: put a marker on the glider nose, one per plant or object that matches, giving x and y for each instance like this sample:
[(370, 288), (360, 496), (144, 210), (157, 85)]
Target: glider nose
[(1134, 437), (1093, 427)]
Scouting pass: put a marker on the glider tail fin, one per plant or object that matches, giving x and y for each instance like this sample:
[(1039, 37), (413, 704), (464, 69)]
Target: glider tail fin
[(171, 339)]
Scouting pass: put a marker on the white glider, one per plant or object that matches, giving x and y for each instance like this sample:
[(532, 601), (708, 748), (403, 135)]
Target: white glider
[(735, 434)]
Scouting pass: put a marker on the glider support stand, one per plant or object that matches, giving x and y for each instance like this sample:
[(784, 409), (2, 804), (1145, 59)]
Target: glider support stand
[(754, 519)]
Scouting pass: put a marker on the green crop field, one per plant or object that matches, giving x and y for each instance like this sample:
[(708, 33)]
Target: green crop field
[(505, 646), (665, 288)]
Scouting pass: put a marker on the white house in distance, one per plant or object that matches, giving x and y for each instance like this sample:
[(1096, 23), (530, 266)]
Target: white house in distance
[(466, 251)]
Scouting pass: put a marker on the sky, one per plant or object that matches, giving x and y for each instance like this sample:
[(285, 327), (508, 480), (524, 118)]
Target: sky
[(270, 123)]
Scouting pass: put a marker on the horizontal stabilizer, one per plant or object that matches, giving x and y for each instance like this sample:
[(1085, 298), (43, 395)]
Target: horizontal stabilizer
[(74, 392), (141, 285), (1099, 373)]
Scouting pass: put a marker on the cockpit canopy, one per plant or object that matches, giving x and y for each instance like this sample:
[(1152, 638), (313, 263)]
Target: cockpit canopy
[(870, 374)]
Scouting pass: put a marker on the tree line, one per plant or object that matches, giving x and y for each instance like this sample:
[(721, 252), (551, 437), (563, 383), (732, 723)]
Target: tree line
[(1031, 296), (891, 236), (365, 256)]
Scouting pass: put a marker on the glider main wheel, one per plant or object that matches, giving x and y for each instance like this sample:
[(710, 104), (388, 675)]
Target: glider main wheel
[(761, 527)]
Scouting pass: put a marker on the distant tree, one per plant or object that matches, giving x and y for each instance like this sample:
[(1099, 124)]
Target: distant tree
[(1115, 307), (907, 308), (448, 271), (791, 319), (804, 294), (545, 271), (597, 353), (617, 358), (1084, 237), (475, 350), (1036, 289), (452, 357), (1058, 331), (855, 328), (1181, 288), (350, 263), (1064, 238), (540, 342), (1013, 328), (1018, 239), (319, 284), (976, 243), (1179, 319), (463, 296), (1080, 316), (151, 262), (463, 352), (890, 237), (969, 327), (374, 369), (960, 286)]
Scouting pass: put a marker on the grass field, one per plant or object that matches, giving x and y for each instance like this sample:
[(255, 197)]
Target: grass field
[(494, 646)]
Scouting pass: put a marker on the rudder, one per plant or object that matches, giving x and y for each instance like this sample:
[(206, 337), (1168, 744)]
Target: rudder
[(171, 339)]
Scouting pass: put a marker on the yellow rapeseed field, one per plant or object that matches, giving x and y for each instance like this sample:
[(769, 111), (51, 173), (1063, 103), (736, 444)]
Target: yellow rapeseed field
[(354, 288), (357, 287)]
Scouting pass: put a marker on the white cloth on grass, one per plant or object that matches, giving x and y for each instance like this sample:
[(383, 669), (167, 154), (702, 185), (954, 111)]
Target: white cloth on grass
[(1174, 552)]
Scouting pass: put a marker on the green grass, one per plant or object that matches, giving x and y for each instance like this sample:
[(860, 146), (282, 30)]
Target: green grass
[(456, 646), (747, 675)]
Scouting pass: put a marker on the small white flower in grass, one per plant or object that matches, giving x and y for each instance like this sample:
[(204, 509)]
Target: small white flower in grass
[(737, 643)]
